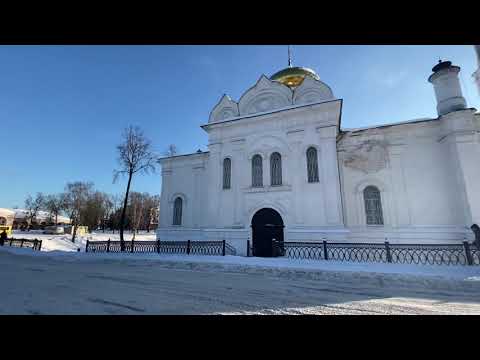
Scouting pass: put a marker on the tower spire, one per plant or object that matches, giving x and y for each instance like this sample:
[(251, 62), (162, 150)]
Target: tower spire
[(289, 57), (477, 50), (476, 74)]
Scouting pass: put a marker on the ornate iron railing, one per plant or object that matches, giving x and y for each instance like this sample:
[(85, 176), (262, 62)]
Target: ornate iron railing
[(418, 254), (475, 255), (300, 250), (229, 249), (34, 244), (429, 254), (163, 247), (174, 247), (364, 252), (206, 248)]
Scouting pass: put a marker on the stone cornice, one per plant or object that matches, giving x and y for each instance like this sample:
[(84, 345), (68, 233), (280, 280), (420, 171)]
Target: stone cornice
[(269, 114)]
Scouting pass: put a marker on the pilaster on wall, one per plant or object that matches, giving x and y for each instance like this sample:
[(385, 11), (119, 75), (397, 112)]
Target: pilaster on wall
[(401, 207), (239, 179), (464, 142), (164, 216), (213, 184), (330, 175), (197, 203), (295, 142)]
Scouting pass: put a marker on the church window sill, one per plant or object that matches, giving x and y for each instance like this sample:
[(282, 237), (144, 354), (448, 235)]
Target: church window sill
[(275, 188)]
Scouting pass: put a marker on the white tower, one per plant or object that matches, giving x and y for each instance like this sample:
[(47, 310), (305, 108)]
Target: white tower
[(476, 74), (447, 88)]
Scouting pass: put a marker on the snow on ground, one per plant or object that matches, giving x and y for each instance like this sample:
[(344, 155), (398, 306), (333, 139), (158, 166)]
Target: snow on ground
[(61, 245), (64, 242), (271, 265), (83, 283)]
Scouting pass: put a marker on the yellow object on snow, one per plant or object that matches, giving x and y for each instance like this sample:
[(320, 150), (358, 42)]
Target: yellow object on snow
[(7, 228)]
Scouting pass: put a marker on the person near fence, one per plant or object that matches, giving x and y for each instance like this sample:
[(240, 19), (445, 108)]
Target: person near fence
[(3, 237), (476, 230)]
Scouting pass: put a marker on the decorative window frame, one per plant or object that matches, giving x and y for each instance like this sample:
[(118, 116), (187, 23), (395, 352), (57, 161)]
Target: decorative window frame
[(223, 173), (375, 196), (304, 155), (281, 158), (171, 203), (251, 170), (385, 197)]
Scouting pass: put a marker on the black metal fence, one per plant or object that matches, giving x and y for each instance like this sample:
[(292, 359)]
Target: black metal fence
[(34, 244), (418, 254), (163, 247)]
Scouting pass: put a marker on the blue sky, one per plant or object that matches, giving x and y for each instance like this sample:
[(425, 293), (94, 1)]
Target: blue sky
[(63, 108)]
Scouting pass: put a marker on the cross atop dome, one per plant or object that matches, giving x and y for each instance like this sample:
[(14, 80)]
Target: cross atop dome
[(289, 57), (293, 76)]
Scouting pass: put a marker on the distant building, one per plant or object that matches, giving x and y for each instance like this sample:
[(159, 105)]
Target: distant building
[(281, 166), (7, 217), (153, 219), (43, 218)]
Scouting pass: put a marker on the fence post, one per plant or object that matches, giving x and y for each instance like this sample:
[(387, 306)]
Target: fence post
[(466, 245), (248, 248), (11, 239), (131, 250), (21, 243), (325, 253), (188, 247), (108, 245), (223, 248), (387, 247), (86, 246), (158, 246), (40, 245)]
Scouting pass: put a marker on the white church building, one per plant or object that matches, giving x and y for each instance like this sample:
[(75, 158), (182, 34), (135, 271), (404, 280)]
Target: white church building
[(281, 166)]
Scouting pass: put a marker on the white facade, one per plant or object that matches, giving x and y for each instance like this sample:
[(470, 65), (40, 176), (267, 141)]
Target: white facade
[(426, 171)]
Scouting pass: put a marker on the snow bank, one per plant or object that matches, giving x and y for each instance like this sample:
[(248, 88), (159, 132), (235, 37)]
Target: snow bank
[(64, 242), (273, 266)]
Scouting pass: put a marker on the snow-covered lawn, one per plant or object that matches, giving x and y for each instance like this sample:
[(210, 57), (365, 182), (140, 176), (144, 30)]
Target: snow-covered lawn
[(64, 242), (60, 282)]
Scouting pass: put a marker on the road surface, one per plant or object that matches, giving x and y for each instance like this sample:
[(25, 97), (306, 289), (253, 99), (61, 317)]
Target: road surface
[(49, 285)]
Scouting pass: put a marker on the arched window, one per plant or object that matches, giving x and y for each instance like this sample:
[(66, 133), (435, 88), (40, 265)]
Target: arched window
[(312, 165), (177, 211), (373, 206), (227, 173), (257, 171), (276, 169)]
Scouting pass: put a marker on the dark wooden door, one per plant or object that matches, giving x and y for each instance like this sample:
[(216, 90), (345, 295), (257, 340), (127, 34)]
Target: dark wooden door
[(267, 224)]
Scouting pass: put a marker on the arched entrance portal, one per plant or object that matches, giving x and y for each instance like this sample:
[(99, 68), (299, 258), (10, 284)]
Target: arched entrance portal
[(267, 224)]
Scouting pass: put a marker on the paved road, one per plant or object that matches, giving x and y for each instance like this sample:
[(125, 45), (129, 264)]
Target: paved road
[(45, 285)]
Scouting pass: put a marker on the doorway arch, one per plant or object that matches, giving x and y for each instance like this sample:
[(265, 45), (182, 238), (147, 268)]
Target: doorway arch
[(267, 224)]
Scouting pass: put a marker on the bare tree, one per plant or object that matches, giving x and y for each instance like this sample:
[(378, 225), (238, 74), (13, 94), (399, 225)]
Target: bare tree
[(138, 202), (33, 206), (75, 200), (116, 211), (95, 210), (135, 156), (152, 209), (171, 150), (108, 206), (54, 205)]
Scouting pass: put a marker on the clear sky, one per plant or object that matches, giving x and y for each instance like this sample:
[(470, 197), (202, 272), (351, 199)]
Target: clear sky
[(63, 108)]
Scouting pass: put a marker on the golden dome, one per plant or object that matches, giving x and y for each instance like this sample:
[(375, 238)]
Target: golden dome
[(293, 76)]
